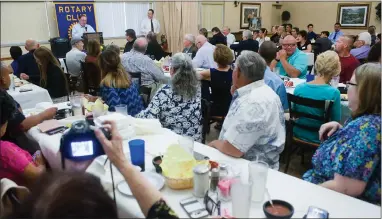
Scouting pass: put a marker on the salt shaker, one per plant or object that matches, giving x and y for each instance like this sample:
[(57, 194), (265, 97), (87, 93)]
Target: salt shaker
[(214, 179), (201, 180)]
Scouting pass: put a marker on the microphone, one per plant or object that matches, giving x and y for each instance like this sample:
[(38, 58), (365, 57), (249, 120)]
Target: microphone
[(86, 28)]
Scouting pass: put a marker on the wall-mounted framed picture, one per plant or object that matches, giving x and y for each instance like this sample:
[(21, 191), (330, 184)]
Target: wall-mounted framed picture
[(249, 11), (353, 16)]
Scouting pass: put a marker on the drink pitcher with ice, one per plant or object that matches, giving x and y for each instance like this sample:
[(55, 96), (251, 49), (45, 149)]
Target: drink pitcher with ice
[(258, 173)]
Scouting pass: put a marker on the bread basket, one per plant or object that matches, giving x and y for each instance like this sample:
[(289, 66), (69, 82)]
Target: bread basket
[(179, 184)]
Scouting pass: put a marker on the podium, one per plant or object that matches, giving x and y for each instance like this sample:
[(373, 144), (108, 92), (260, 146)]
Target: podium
[(98, 36)]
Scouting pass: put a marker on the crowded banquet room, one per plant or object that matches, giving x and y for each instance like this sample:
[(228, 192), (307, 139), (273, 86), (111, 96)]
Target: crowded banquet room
[(190, 109)]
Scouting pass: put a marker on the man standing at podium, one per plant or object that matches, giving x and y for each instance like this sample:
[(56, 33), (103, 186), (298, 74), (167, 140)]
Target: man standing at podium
[(82, 27), (150, 24)]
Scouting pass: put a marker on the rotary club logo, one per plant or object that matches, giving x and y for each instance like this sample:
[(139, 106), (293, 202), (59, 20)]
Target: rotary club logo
[(70, 29)]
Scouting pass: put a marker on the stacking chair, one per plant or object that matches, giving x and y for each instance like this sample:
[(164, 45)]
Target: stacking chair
[(91, 78), (136, 77), (293, 143), (206, 107), (145, 92)]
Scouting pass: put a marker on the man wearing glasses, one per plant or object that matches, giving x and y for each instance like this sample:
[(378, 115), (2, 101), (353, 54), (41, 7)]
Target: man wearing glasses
[(290, 61)]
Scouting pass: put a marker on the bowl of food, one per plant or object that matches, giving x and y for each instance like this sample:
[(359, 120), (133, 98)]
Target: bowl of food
[(280, 209)]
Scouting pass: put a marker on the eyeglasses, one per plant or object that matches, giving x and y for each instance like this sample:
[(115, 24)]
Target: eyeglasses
[(289, 45), (211, 205), (348, 85)]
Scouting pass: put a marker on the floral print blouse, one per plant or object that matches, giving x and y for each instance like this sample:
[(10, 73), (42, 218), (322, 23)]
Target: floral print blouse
[(176, 113), (353, 151)]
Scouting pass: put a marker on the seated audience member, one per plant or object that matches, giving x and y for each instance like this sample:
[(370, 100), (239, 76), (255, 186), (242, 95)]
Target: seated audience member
[(375, 53), (83, 195), (154, 50), (204, 57), (52, 77), (371, 31), (94, 50), (203, 31), (220, 81), (327, 66), (288, 28), (178, 104), (378, 38), (130, 38), (189, 45), (303, 43), (28, 69), (113, 48), (263, 36), (323, 44), (230, 37), (136, 61), (116, 86), (348, 62), (349, 160), (18, 124), (217, 37), (275, 36), (291, 61), (334, 36), (362, 46), (16, 164), (15, 52), (255, 124), (268, 51), (295, 31), (255, 35), (75, 56), (311, 34), (246, 44)]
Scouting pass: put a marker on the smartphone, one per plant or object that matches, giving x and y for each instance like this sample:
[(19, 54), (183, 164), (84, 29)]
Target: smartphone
[(194, 208), (314, 212)]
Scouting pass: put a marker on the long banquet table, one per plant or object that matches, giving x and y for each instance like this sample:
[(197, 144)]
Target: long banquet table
[(29, 99)]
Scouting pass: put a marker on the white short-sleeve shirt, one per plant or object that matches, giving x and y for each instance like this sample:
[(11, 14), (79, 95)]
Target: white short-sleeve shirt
[(255, 123)]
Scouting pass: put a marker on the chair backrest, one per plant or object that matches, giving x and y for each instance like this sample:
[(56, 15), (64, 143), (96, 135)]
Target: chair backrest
[(206, 109), (324, 105), (136, 77), (66, 66), (91, 77), (145, 92)]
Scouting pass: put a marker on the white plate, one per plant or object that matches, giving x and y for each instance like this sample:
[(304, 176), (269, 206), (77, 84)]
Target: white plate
[(155, 179)]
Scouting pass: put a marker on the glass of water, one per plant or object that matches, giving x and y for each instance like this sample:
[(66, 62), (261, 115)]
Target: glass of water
[(76, 102), (241, 198), (258, 173), (335, 81), (121, 108)]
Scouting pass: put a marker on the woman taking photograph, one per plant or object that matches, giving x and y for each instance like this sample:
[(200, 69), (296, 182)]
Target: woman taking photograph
[(52, 77), (178, 105), (349, 160), (327, 66), (303, 43), (116, 86)]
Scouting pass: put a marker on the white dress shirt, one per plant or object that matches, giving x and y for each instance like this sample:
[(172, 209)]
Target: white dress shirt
[(255, 123), (146, 26), (230, 39), (261, 41), (79, 30), (204, 57)]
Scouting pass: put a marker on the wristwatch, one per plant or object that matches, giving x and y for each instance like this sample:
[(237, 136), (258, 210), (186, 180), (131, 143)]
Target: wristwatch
[(277, 60)]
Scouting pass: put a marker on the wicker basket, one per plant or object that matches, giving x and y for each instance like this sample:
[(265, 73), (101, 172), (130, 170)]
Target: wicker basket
[(179, 184)]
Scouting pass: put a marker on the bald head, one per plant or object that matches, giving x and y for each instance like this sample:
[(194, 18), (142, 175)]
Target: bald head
[(31, 45), (140, 44), (289, 40), (289, 44), (344, 45), (200, 40)]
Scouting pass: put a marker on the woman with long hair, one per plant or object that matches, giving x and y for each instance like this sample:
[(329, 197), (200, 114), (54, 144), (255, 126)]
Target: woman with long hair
[(116, 86), (52, 76), (349, 159), (154, 50), (94, 50), (178, 105)]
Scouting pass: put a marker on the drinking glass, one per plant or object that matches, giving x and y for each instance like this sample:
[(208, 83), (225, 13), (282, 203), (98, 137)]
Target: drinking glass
[(258, 173), (76, 102), (187, 143), (241, 198), (335, 81), (121, 108), (137, 153)]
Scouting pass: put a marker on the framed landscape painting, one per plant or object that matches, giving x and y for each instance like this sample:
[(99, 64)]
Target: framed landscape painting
[(354, 16), (249, 13)]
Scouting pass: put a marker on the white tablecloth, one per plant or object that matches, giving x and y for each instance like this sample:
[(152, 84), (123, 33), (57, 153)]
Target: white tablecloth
[(299, 193), (29, 99)]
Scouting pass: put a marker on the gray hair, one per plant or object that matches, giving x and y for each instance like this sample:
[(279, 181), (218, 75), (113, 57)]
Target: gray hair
[(252, 65), (248, 34), (184, 82), (190, 37), (113, 47), (140, 44)]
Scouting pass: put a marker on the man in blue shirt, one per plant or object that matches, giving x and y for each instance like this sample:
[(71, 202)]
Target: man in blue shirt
[(311, 34), (290, 61), (334, 36), (268, 51)]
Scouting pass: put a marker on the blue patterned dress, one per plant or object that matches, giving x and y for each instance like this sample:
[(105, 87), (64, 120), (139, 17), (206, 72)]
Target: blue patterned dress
[(353, 151), (176, 113), (129, 96)]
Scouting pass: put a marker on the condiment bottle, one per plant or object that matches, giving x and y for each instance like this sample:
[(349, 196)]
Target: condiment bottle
[(214, 179), (201, 180)]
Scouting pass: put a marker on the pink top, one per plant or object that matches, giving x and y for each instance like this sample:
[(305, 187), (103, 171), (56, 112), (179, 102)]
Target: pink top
[(13, 161)]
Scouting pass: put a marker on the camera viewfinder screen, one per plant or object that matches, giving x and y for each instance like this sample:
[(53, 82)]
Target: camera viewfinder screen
[(83, 148)]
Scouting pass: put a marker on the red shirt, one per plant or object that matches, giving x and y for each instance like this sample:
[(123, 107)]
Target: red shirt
[(348, 65)]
